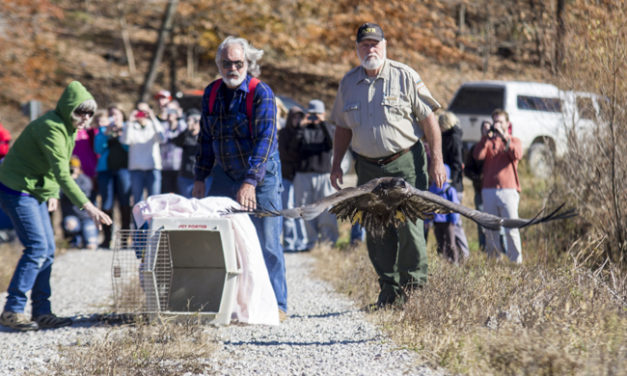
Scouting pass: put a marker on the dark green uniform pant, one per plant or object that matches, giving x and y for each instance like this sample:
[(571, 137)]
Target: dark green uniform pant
[(400, 256)]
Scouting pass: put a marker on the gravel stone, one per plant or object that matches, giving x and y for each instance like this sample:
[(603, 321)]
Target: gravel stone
[(325, 334)]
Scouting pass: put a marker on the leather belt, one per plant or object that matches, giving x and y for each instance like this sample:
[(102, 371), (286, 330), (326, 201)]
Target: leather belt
[(384, 160)]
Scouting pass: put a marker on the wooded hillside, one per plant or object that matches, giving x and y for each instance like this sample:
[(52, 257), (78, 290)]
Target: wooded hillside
[(308, 45)]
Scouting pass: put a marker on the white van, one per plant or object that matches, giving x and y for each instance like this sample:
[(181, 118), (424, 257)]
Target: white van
[(540, 114)]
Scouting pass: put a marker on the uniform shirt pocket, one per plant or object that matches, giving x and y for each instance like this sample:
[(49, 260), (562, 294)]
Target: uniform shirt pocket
[(396, 108), (352, 115)]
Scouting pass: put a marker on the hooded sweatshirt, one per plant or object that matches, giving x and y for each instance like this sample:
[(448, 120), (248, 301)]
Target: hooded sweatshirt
[(38, 163), (447, 192)]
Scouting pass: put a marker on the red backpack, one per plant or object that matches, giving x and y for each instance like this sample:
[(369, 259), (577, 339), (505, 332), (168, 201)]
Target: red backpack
[(252, 85)]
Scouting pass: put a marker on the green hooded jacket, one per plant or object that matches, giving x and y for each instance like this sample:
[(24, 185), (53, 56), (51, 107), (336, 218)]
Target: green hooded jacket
[(38, 163)]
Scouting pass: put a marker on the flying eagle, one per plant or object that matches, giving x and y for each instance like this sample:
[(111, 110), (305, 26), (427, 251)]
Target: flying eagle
[(390, 201)]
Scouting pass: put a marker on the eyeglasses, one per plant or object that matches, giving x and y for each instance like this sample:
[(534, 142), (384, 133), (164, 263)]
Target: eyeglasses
[(80, 113), (226, 64)]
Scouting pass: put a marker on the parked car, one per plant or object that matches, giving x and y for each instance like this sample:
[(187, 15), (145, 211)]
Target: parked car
[(541, 115)]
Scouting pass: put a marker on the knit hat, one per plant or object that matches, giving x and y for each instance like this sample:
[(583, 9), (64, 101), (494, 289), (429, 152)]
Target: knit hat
[(447, 120), (75, 162)]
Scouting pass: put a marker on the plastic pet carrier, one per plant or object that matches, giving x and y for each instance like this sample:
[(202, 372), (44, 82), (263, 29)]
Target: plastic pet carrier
[(178, 267)]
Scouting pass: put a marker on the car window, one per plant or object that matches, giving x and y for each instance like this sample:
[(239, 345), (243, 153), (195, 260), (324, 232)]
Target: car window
[(532, 103), (585, 108), (478, 100)]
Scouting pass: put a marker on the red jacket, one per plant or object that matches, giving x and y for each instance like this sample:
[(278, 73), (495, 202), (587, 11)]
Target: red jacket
[(500, 166), (5, 140)]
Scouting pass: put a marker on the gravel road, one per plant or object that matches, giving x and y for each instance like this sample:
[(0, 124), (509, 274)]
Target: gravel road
[(325, 334)]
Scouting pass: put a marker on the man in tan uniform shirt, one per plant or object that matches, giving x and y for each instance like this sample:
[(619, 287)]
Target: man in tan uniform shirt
[(382, 109)]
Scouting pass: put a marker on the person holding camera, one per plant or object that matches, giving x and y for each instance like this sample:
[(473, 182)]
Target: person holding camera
[(114, 180), (294, 229), (143, 134), (312, 181), (500, 153)]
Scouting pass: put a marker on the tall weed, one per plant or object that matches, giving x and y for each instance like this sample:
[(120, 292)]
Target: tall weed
[(594, 171)]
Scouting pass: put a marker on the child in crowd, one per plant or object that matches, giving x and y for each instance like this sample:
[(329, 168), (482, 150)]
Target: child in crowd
[(444, 224), (77, 224)]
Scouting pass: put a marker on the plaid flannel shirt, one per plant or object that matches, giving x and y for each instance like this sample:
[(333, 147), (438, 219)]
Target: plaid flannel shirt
[(225, 137)]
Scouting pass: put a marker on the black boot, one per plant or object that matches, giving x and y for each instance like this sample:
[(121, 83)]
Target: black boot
[(125, 214), (106, 231)]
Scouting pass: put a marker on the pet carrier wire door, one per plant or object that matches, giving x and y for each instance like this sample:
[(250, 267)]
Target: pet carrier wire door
[(179, 266)]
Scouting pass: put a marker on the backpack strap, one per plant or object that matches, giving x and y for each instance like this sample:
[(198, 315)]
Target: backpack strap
[(252, 85), (214, 92), (250, 97)]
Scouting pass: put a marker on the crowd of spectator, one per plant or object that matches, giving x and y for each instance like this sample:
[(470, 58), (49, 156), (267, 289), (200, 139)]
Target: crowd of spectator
[(240, 145)]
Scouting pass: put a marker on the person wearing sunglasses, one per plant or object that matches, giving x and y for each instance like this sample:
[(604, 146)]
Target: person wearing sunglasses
[(239, 134), (31, 175)]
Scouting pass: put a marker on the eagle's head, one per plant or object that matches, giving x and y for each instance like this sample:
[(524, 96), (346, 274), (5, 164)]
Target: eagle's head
[(391, 184)]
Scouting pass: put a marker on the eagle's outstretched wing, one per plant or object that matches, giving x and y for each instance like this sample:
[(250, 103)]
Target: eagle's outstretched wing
[(390, 201)]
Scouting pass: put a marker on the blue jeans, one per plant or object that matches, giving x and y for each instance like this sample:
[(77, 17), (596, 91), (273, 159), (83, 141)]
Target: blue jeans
[(268, 228), (358, 234), (148, 179), (294, 230), (114, 185), (83, 231), (34, 229)]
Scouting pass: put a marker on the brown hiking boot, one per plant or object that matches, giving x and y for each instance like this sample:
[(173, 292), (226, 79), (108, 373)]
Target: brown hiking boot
[(17, 321), (51, 321)]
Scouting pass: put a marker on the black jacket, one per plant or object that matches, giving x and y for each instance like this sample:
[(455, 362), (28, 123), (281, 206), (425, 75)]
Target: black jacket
[(189, 143), (473, 169), (452, 153), (314, 146), (289, 155)]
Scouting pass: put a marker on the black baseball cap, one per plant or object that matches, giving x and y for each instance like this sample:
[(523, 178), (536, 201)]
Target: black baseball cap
[(369, 31)]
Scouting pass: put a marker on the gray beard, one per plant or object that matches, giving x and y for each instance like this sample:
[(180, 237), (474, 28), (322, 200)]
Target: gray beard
[(372, 63), (234, 82)]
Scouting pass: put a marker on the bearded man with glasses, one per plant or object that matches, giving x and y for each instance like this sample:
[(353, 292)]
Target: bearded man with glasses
[(382, 110), (238, 146)]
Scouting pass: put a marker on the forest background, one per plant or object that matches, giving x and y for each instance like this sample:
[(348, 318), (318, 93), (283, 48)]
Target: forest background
[(569, 297), (308, 45)]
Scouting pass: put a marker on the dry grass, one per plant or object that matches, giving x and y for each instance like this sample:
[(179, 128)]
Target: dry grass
[(156, 348), (9, 254), (549, 316)]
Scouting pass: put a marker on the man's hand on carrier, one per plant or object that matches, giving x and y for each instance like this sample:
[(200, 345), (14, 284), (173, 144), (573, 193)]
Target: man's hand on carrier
[(246, 197)]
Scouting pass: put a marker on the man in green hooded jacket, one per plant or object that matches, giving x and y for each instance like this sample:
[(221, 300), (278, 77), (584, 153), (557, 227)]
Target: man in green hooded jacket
[(31, 175)]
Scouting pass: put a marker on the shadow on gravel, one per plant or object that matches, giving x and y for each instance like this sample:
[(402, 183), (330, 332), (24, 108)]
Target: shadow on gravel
[(99, 319), (320, 316), (90, 321), (292, 343)]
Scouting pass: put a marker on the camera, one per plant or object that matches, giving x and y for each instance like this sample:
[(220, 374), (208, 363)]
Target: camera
[(312, 117)]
